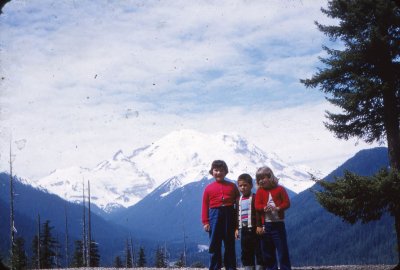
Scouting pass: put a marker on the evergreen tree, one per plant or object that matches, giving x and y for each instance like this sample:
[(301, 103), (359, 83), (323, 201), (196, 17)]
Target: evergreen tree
[(94, 254), (48, 247), (19, 258), (141, 262), (160, 258), (363, 79), (181, 262), (118, 262), (77, 260), (128, 256), (34, 264), (35, 260), (12, 221)]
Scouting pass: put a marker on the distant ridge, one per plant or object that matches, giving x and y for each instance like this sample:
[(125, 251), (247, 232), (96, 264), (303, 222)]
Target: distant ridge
[(317, 237)]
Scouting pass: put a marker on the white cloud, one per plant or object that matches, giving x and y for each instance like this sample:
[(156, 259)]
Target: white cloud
[(295, 134), (83, 79)]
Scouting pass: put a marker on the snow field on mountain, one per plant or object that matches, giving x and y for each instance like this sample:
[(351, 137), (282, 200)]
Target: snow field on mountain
[(184, 155)]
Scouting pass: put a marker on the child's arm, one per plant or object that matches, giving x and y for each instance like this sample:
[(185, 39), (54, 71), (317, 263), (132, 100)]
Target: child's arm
[(257, 216), (259, 222), (237, 199), (285, 202), (204, 211), (260, 203)]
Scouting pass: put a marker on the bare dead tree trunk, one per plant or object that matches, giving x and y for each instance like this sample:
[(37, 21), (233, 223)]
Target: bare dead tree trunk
[(84, 247), (38, 243), (184, 246), (132, 252), (126, 254), (89, 235), (184, 233), (57, 254), (66, 237), (12, 227)]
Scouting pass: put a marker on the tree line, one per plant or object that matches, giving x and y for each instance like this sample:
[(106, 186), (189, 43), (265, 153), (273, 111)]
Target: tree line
[(161, 259), (45, 247), (46, 250), (46, 253)]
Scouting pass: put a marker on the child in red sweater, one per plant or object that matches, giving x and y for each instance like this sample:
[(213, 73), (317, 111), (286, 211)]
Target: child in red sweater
[(272, 200), (219, 217)]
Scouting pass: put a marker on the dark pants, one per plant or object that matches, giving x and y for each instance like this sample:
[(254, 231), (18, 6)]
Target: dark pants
[(250, 244), (274, 242), (222, 229)]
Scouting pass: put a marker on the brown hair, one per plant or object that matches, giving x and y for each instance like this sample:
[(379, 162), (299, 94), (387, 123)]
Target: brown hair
[(246, 178), (218, 164)]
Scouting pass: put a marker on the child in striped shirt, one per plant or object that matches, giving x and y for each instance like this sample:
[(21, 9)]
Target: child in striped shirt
[(249, 220)]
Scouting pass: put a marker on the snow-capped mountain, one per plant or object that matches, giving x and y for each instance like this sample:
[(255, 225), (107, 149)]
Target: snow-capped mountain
[(180, 157)]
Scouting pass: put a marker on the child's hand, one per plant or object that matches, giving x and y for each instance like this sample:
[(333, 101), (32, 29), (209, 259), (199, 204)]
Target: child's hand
[(260, 230), (270, 208), (207, 227), (237, 234)]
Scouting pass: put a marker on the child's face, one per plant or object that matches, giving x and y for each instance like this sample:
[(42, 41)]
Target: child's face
[(265, 182), (244, 187), (219, 174)]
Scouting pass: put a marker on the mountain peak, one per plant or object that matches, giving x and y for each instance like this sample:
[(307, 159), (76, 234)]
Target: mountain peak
[(119, 155), (182, 155)]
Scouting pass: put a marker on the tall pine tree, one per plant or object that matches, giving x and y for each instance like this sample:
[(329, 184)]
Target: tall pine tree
[(94, 254), (141, 261), (48, 247), (19, 258), (181, 262), (160, 258), (34, 263), (77, 260), (128, 255), (363, 80), (118, 262)]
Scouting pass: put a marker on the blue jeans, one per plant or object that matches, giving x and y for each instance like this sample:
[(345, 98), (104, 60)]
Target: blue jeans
[(274, 242), (251, 247), (222, 229)]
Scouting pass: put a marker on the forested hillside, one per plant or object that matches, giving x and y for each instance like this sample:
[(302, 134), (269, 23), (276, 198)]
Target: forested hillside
[(317, 237), (29, 203)]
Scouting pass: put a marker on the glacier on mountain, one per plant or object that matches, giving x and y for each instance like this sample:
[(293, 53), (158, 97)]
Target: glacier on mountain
[(179, 158)]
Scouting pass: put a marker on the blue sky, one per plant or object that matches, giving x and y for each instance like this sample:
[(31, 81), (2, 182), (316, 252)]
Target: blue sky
[(83, 79)]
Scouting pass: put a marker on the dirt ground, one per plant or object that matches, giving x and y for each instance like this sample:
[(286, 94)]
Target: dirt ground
[(336, 267), (347, 267)]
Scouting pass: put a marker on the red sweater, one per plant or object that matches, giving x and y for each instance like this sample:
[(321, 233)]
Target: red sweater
[(218, 194), (279, 195)]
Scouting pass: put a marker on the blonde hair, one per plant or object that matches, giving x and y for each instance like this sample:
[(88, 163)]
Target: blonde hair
[(264, 172)]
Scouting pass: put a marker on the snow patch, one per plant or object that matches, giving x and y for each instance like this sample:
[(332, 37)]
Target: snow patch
[(179, 158), (202, 248)]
